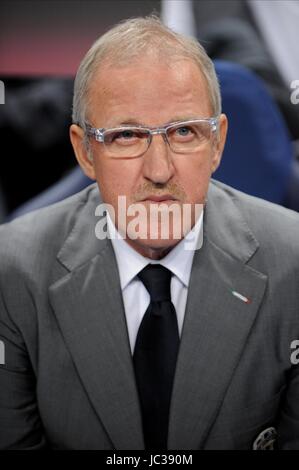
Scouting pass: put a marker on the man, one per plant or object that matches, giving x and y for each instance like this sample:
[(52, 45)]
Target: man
[(178, 330)]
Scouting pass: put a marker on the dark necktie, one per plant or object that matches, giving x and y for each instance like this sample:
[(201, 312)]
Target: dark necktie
[(155, 356)]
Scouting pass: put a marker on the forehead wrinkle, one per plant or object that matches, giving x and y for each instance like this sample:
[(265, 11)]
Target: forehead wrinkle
[(150, 87), (151, 70)]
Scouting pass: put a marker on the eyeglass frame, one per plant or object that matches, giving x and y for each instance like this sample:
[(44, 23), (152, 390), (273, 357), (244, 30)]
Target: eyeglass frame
[(99, 133)]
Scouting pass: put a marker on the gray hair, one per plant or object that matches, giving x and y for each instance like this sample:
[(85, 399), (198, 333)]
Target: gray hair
[(128, 41)]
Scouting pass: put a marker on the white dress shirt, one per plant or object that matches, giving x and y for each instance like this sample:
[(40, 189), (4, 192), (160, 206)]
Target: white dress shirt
[(135, 296)]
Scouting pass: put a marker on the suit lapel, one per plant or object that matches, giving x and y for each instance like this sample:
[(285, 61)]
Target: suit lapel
[(87, 302), (89, 309), (217, 324)]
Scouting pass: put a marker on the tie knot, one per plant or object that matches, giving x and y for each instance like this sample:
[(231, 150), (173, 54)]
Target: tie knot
[(156, 279)]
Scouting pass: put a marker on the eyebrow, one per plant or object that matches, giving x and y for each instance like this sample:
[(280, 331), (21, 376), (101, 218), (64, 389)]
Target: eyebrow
[(133, 122), (183, 118)]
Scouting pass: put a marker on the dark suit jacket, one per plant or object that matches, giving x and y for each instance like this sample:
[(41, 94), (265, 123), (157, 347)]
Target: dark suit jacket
[(68, 381)]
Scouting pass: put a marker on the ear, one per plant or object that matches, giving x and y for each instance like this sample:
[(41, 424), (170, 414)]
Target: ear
[(82, 155), (219, 142)]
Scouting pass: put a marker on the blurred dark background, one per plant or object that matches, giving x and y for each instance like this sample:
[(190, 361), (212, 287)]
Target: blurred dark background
[(41, 46)]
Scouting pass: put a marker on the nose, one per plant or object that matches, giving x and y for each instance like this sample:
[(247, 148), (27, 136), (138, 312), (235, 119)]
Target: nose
[(157, 162)]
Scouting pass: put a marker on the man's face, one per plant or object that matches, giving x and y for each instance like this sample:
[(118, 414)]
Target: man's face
[(152, 94)]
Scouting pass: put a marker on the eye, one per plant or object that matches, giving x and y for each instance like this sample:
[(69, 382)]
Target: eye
[(122, 137), (184, 131), (126, 135)]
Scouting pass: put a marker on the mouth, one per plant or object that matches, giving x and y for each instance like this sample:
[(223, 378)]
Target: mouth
[(163, 198)]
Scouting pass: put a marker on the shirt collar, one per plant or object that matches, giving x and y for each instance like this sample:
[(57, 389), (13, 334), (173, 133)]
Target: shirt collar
[(178, 260)]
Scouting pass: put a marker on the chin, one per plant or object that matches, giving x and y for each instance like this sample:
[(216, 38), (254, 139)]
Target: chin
[(154, 248)]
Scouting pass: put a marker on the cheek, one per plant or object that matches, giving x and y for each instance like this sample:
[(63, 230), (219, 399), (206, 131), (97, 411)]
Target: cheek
[(194, 175), (116, 178)]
